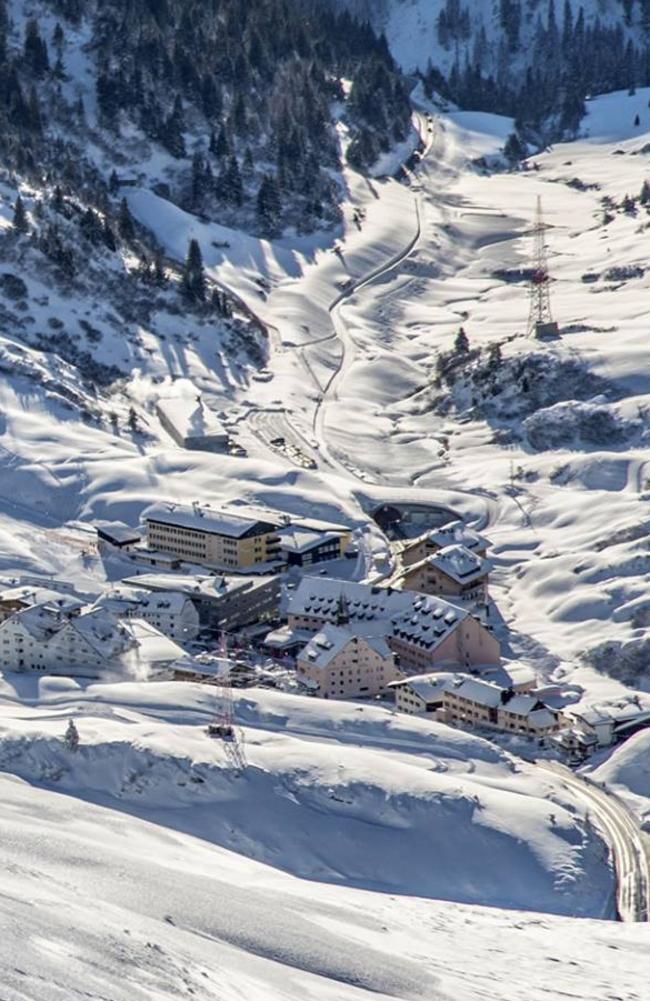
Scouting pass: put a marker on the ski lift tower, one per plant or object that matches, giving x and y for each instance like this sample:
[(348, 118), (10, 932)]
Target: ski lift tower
[(540, 319)]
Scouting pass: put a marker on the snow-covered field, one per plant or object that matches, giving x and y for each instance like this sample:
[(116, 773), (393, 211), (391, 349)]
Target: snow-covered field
[(147, 864)]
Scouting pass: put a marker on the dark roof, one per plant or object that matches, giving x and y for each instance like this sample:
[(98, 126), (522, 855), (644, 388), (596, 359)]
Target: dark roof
[(117, 532)]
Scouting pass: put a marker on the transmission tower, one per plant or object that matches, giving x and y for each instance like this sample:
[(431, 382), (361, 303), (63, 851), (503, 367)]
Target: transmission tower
[(540, 319), (223, 725)]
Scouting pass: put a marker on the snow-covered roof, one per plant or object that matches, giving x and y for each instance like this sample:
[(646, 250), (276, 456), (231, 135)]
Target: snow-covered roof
[(428, 622), (542, 718), (460, 564), (483, 693), (107, 635), (191, 418), (104, 633), (299, 539), (42, 622), (214, 521), (317, 525), (326, 645), (519, 674), (165, 602), (29, 595), (285, 638), (321, 596), (206, 665), (521, 705), (117, 532), (428, 687), (331, 640), (512, 674), (457, 533), (614, 712), (198, 585), (151, 647), (418, 618)]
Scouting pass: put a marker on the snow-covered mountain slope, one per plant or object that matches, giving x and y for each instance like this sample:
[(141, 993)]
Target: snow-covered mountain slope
[(547, 447), (626, 771), (345, 794), (101, 904), (416, 37)]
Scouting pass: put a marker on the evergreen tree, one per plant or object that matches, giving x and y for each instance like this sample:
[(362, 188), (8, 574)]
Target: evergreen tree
[(248, 164), (58, 37), (35, 49), (133, 422), (628, 205), (71, 738), (193, 280), (172, 133), (125, 224), (514, 150), (58, 203), (461, 342), (231, 182), (644, 197), (159, 273), (20, 223), (494, 355), (108, 236), (268, 204), (221, 147)]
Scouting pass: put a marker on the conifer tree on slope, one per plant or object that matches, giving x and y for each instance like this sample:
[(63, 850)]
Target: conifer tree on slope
[(193, 282)]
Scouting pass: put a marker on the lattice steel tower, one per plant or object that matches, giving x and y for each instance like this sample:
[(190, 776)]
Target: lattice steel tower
[(540, 318)]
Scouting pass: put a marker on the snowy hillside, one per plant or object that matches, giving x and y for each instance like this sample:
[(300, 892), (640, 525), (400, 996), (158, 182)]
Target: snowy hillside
[(342, 794), (627, 772), (444, 31), (104, 904)]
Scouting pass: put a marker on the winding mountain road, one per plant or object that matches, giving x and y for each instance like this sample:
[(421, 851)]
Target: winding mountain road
[(339, 326), (622, 833)]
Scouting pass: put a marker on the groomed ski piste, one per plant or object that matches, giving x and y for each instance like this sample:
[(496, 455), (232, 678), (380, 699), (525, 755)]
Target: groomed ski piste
[(348, 859)]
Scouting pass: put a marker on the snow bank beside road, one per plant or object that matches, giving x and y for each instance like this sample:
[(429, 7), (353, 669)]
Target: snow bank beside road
[(627, 772)]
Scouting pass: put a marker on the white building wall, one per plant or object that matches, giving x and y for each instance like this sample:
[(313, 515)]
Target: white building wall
[(357, 670), (63, 653), (179, 624)]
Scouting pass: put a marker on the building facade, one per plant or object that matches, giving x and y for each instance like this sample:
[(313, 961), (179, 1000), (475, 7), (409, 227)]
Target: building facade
[(424, 632), (169, 611), (85, 642), (212, 537), (422, 694), (453, 572), (224, 601), (338, 663)]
